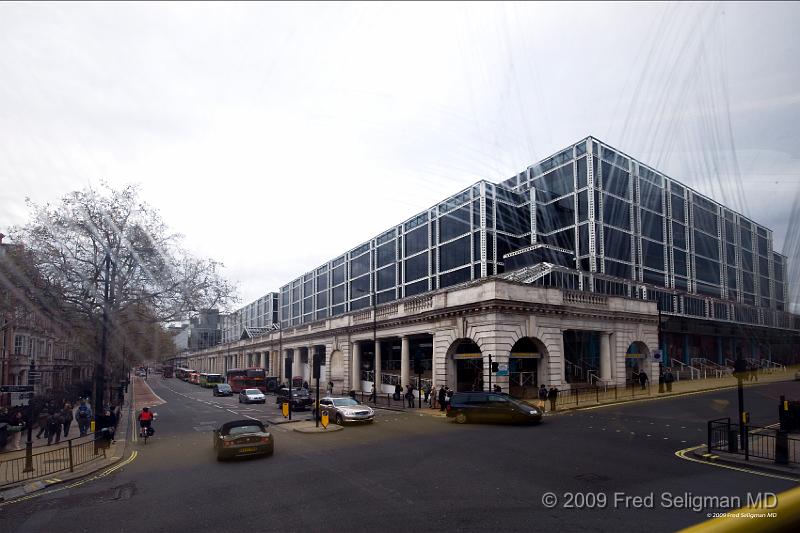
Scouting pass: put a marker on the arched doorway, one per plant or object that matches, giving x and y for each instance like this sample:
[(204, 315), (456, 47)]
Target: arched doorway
[(466, 370), (526, 367), (635, 357), (337, 369)]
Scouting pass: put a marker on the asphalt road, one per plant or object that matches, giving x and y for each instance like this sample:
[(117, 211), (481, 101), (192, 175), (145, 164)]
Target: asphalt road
[(410, 472)]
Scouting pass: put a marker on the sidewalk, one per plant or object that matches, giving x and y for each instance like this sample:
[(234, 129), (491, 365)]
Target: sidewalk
[(736, 460), (51, 463)]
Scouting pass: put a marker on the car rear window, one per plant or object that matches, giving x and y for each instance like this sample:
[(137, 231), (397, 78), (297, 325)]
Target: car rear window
[(239, 430)]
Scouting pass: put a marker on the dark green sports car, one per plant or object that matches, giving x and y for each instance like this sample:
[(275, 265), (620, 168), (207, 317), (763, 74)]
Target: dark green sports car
[(242, 438)]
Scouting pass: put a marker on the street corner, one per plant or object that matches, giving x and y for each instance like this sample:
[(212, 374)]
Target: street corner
[(755, 466), (311, 427)]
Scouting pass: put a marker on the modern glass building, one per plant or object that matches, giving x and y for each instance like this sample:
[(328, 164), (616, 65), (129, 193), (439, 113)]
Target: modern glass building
[(592, 218), (256, 316)]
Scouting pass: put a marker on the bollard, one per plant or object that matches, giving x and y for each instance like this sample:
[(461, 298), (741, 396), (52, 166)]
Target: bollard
[(71, 460), (782, 448), (733, 441)]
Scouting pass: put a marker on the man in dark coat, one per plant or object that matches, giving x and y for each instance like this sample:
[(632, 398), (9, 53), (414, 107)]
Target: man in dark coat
[(552, 395), (410, 395), (442, 398)]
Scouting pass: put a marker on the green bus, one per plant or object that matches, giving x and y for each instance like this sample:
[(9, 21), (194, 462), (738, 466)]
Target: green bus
[(209, 380)]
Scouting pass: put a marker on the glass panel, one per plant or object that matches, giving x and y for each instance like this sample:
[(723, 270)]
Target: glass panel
[(650, 276), (455, 254), (386, 253), (746, 240), (747, 260), (359, 287), (322, 282), (453, 224), (730, 231), (452, 278), (730, 254), (678, 235), (555, 215), (650, 196), (338, 294), (416, 240), (652, 226), (616, 212), (416, 267), (731, 278), (707, 271), (583, 206), (386, 278), (562, 239), (747, 282), (322, 300), (583, 232), (617, 244), (516, 220), (618, 269), (338, 275), (416, 288), (706, 245), (763, 266), (615, 181), (359, 266), (763, 246), (705, 221), (583, 172), (558, 182), (653, 255), (679, 258)]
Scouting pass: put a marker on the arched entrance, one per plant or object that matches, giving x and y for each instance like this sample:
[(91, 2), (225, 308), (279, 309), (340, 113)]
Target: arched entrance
[(466, 370), (337, 369), (635, 358), (526, 367)]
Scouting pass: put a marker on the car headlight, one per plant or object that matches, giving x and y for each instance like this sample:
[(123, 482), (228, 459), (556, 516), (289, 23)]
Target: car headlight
[(534, 412)]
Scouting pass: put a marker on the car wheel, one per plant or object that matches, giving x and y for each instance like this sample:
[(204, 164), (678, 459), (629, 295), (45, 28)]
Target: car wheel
[(461, 418), (339, 420)]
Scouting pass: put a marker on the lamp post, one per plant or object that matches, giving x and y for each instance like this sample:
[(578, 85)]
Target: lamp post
[(101, 367), (375, 369)]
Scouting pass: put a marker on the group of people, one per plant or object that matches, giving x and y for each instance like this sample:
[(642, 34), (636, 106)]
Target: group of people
[(665, 380), (546, 394)]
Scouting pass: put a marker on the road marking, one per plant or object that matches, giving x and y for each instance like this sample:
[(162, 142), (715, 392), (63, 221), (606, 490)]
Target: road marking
[(682, 454), (72, 485)]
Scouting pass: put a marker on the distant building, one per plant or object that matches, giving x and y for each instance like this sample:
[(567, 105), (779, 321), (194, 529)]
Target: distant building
[(251, 320), (204, 330)]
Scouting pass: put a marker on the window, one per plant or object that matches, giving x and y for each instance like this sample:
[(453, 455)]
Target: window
[(652, 226), (359, 266), (615, 181), (650, 196), (706, 270), (705, 221), (554, 216), (417, 288), (454, 254), (706, 245), (653, 255), (514, 220), (746, 240), (416, 240), (558, 182), (416, 267), (617, 244), (678, 235), (619, 270), (455, 223), (679, 258), (386, 253), (616, 212), (338, 275), (19, 345), (583, 173), (455, 277)]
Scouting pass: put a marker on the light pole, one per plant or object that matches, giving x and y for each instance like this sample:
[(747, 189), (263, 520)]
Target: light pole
[(375, 369), (101, 368)]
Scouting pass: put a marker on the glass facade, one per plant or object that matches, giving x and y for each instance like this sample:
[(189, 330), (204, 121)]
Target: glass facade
[(589, 208), (261, 313)]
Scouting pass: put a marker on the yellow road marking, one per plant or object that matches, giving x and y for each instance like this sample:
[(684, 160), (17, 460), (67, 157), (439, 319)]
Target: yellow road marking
[(682, 455), (73, 485)]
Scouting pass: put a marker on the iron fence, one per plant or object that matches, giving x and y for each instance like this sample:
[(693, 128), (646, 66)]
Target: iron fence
[(52, 461), (761, 442)]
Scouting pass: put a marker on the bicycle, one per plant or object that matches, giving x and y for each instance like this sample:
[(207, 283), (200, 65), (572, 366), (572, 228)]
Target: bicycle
[(144, 431)]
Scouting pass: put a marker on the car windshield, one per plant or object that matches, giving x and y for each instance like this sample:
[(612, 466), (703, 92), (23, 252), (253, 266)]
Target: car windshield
[(223, 387), (344, 402), (252, 391), (240, 430)]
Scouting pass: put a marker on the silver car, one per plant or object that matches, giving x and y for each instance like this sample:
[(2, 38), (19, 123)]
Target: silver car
[(252, 396), (343, 410)]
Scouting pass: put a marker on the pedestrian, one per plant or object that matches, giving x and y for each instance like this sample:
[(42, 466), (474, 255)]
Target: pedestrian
[(542, 396), (668, 379), (442, 398), (552, 395), (373, 394), (54, 422), (643, 379), (17, 425), (41, 423), (398, 390), (410, 395), (427, 391), (104, 428), (68, 417), (84, 417), (498, 389), (662, 380), (305, 385), (330, 388)]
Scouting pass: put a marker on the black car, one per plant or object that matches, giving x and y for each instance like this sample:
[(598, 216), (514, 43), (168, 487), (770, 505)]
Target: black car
[(491, 407), (222, 389), (301, 399), (240, 438)]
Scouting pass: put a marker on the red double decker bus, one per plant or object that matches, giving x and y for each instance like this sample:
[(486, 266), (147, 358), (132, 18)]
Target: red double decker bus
[(247, 378)]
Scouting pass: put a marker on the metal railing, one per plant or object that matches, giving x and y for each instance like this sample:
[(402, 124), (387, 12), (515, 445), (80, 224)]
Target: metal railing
[(682, 367), (761, 442), (48, 462)]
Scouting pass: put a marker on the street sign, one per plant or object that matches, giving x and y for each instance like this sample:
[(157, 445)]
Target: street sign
[(657, 355), (285, 409), (502, 369), (324, 420), (16, 388)]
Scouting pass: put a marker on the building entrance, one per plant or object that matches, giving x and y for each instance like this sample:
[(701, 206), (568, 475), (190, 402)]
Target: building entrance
[(522, 377), (469, 374)]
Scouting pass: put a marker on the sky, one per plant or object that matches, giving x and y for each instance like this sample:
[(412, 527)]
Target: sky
[(277, 136)]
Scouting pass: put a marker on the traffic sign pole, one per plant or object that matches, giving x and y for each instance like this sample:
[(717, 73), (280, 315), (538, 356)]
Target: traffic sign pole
[(29, 444)]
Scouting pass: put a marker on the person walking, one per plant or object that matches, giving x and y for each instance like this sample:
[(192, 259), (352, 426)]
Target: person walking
[(427, 391), (41, 423), (668, 379), (542, 396), (398, 390), (442, 398), (552, 395), (662, 380), (449, 397), (643, 379), (330, 388), (84, 417), (54, 422), (373, 394), (66, 413), (17, 423), (410, 396)]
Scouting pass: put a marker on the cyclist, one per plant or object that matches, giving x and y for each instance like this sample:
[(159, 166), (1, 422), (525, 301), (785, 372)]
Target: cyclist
[(145, 420)]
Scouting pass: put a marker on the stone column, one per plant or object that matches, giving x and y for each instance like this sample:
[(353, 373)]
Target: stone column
[(355, 369), (404, 361), (377, 366), (605, 356), (297, 364)]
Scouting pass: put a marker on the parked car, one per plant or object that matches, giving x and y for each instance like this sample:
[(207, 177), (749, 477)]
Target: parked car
[(241, 438), (342, 410), (301, 399), (222, 389), (491, 407), (252, 396)]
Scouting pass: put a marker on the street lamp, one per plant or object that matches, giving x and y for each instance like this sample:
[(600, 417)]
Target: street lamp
[(101, 369), (374, 341)]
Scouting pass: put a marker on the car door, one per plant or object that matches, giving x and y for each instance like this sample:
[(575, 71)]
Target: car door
[(499, 409)]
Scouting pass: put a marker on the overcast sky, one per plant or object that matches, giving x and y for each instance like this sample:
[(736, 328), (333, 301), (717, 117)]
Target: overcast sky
[(278, 136)]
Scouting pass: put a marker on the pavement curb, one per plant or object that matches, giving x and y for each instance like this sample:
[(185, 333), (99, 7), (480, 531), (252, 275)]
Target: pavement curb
[(332, 428), (716, 459)]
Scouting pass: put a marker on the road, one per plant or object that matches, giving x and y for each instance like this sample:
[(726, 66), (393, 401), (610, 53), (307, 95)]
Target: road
[(408, 472)]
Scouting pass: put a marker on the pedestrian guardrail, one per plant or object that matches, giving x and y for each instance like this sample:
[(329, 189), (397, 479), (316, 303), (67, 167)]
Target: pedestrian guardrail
[(48, 462), (752, 441)]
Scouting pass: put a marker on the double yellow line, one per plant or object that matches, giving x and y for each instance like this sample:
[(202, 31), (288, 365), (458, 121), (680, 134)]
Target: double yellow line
[(103, 474)]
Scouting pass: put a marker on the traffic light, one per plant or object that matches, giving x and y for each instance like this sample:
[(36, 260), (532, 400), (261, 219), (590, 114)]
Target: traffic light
[(739, 366), (495, 366), (419, 368), (317, 365), (287, 368)]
